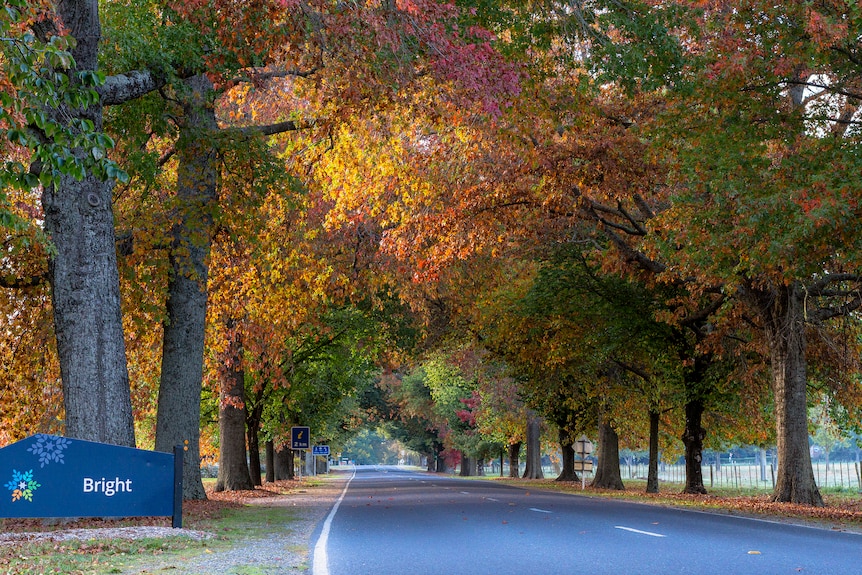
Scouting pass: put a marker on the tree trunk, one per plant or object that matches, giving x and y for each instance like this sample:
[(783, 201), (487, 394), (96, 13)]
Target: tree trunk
[(514, 459), (270, 461), (284, 464), (252, 427), (652, 473), (692, 438), (783, 313), (83, 271), (178, 418), (534, 448), (441, 461), (608, 474), (254, 469), (468, 466), (568, 453), (233, 474)]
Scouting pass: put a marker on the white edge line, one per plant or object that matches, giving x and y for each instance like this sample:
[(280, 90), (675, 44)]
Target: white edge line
[(320, 563), (639, 531)]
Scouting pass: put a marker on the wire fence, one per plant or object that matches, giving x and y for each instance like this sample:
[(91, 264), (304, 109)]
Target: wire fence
[(734, 475), (745, 475)]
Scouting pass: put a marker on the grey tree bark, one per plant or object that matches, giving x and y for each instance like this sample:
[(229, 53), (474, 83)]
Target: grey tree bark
[(782, 310), (438, 457), (568, 454), (468, 466), (608, 470), (514, 458), (83, 271), (692, 437), (534, 448), (178, 417), (284, 464), (269, 459), (652, 472), (233, 474), (254, 417)]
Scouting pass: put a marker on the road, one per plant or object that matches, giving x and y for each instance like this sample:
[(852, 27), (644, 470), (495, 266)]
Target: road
[(392, 521)]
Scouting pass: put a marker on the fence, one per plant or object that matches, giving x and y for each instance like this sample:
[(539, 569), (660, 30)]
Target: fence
[(733, 475), (744, 475)]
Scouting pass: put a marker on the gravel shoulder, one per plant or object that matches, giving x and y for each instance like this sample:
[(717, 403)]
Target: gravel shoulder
[(283, 551)]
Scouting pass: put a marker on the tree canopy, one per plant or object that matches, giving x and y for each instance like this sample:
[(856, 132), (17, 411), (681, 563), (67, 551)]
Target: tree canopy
[(441, 220)]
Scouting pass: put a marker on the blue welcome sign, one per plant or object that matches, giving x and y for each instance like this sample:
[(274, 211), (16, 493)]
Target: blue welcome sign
[(52, 476)]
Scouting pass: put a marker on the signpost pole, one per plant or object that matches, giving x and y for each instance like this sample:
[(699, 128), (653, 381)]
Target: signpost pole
[(177, 522), (583, 447), (301, 463)]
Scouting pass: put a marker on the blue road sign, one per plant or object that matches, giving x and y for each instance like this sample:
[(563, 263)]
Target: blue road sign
[(52, 476), (320, 450), (300, 437)]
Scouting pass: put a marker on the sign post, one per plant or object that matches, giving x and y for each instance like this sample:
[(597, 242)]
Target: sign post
[(300, 440), (583, 447), (300, 437), (52, 476), (320, 451), (177, 521)]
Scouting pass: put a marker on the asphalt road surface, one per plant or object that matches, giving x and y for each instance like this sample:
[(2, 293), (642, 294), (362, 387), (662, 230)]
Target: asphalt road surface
[(393, 521)]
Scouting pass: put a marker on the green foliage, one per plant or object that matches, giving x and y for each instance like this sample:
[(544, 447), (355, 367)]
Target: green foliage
[(633, 43), (148, 35), (38, 81), (371, 447), (328, 371)]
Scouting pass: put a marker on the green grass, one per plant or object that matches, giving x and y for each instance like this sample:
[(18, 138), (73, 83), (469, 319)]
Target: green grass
[(250, 521)]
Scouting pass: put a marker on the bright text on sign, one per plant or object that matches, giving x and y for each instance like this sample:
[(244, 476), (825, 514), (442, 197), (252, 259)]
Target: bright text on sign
[(107, 487)]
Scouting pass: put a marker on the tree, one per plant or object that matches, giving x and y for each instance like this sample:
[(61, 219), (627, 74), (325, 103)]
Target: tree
[(78, 219), (233, 472), (608, 471), (533, 469), (765, 199), (328, 45)]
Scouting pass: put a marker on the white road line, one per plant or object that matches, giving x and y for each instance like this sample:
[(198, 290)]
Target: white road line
[(466, 492), (539, 510), (321, 561), (639, 531), (491, 499)]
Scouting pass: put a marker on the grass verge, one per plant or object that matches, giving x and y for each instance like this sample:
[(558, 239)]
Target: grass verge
[(228, 517)]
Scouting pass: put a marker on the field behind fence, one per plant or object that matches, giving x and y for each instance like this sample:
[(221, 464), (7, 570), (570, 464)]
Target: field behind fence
[(738, 474), (748, 475)]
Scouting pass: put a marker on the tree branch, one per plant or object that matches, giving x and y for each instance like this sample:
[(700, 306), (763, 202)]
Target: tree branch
[(818, 288), (123, 88), (277, 128)]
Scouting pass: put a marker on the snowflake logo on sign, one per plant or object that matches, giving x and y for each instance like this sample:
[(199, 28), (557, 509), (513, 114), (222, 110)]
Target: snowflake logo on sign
[(49, 448), (22, 485)]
